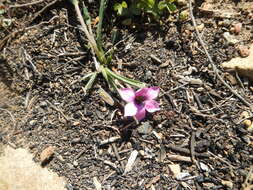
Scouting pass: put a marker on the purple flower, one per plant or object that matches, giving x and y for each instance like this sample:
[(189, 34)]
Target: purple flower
[(140, 101)]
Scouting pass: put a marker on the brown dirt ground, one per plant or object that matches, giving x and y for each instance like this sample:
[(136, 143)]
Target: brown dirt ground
[(40, 106)]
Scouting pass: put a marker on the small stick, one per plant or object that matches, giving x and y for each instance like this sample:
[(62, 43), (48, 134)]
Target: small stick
[(12, 117), (26, 4), (186, 151), (116, 152), (58, 110), (110, 140), (211, 61)]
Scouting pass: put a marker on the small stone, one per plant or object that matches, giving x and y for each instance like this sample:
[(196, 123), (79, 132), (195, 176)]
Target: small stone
[(243, 51), (182, 175), (175, 169), (250, 128), (32, 122), (75, 163), (182, 2), (145, 128), (194, 81), (43, 104), (46, 154), (237, 28), (70, 166), (148, 75), (204, 167), (245, 114), (247, 122), (228, 184), (76, 140), (230, 38), (200, 27)]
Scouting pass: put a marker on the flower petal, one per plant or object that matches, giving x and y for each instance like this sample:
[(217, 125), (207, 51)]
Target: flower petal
[(151, 106), (127, 94), (141, 113), (152, 93), (141, 92), (130, 109)]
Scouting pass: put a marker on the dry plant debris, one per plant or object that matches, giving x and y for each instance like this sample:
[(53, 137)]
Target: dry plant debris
[(199, 124)]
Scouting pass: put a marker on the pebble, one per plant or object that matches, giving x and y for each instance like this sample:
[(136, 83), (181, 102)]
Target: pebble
[(237, 28), (200, 27), (43, 104), (148, 75), (70, 166), (204, 167), (75, 163), (145, 128), (243, 51), (194, 81), (230, 38), (228, 184), (182, 2), (32, 122)]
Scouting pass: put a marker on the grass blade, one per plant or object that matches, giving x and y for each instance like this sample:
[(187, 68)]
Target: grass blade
[(90, 82), (103, 4), (125, 79)]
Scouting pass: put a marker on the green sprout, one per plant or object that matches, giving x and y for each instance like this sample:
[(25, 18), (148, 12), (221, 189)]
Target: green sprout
[(154, 7), (100, 58)]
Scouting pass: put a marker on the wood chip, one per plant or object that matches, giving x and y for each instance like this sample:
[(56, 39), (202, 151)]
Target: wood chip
[(97, 183), (174, 169), (153, 181), (47, 154), (178, 158), (130, 162)]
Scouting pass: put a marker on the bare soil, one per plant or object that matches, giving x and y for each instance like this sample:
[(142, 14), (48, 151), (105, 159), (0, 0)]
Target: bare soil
[(44, 52)]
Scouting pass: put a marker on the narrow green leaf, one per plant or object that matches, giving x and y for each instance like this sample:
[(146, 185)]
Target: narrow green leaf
[(90, 82), (104, 73), (103, 4), (112, 84), (86, 15), (125, 79), (87, 76), (74, 1)]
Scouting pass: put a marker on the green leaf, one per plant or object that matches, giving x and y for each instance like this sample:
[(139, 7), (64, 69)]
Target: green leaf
[(124, 4), (171, 7), (86, 15), (87, 76), (104, 73), (119, 7), (90, 82), (103, 4), (125, 79), (149, 3), (162, 5)]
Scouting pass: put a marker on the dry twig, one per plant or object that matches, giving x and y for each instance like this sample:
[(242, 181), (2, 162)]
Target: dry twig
[(26, 4)]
